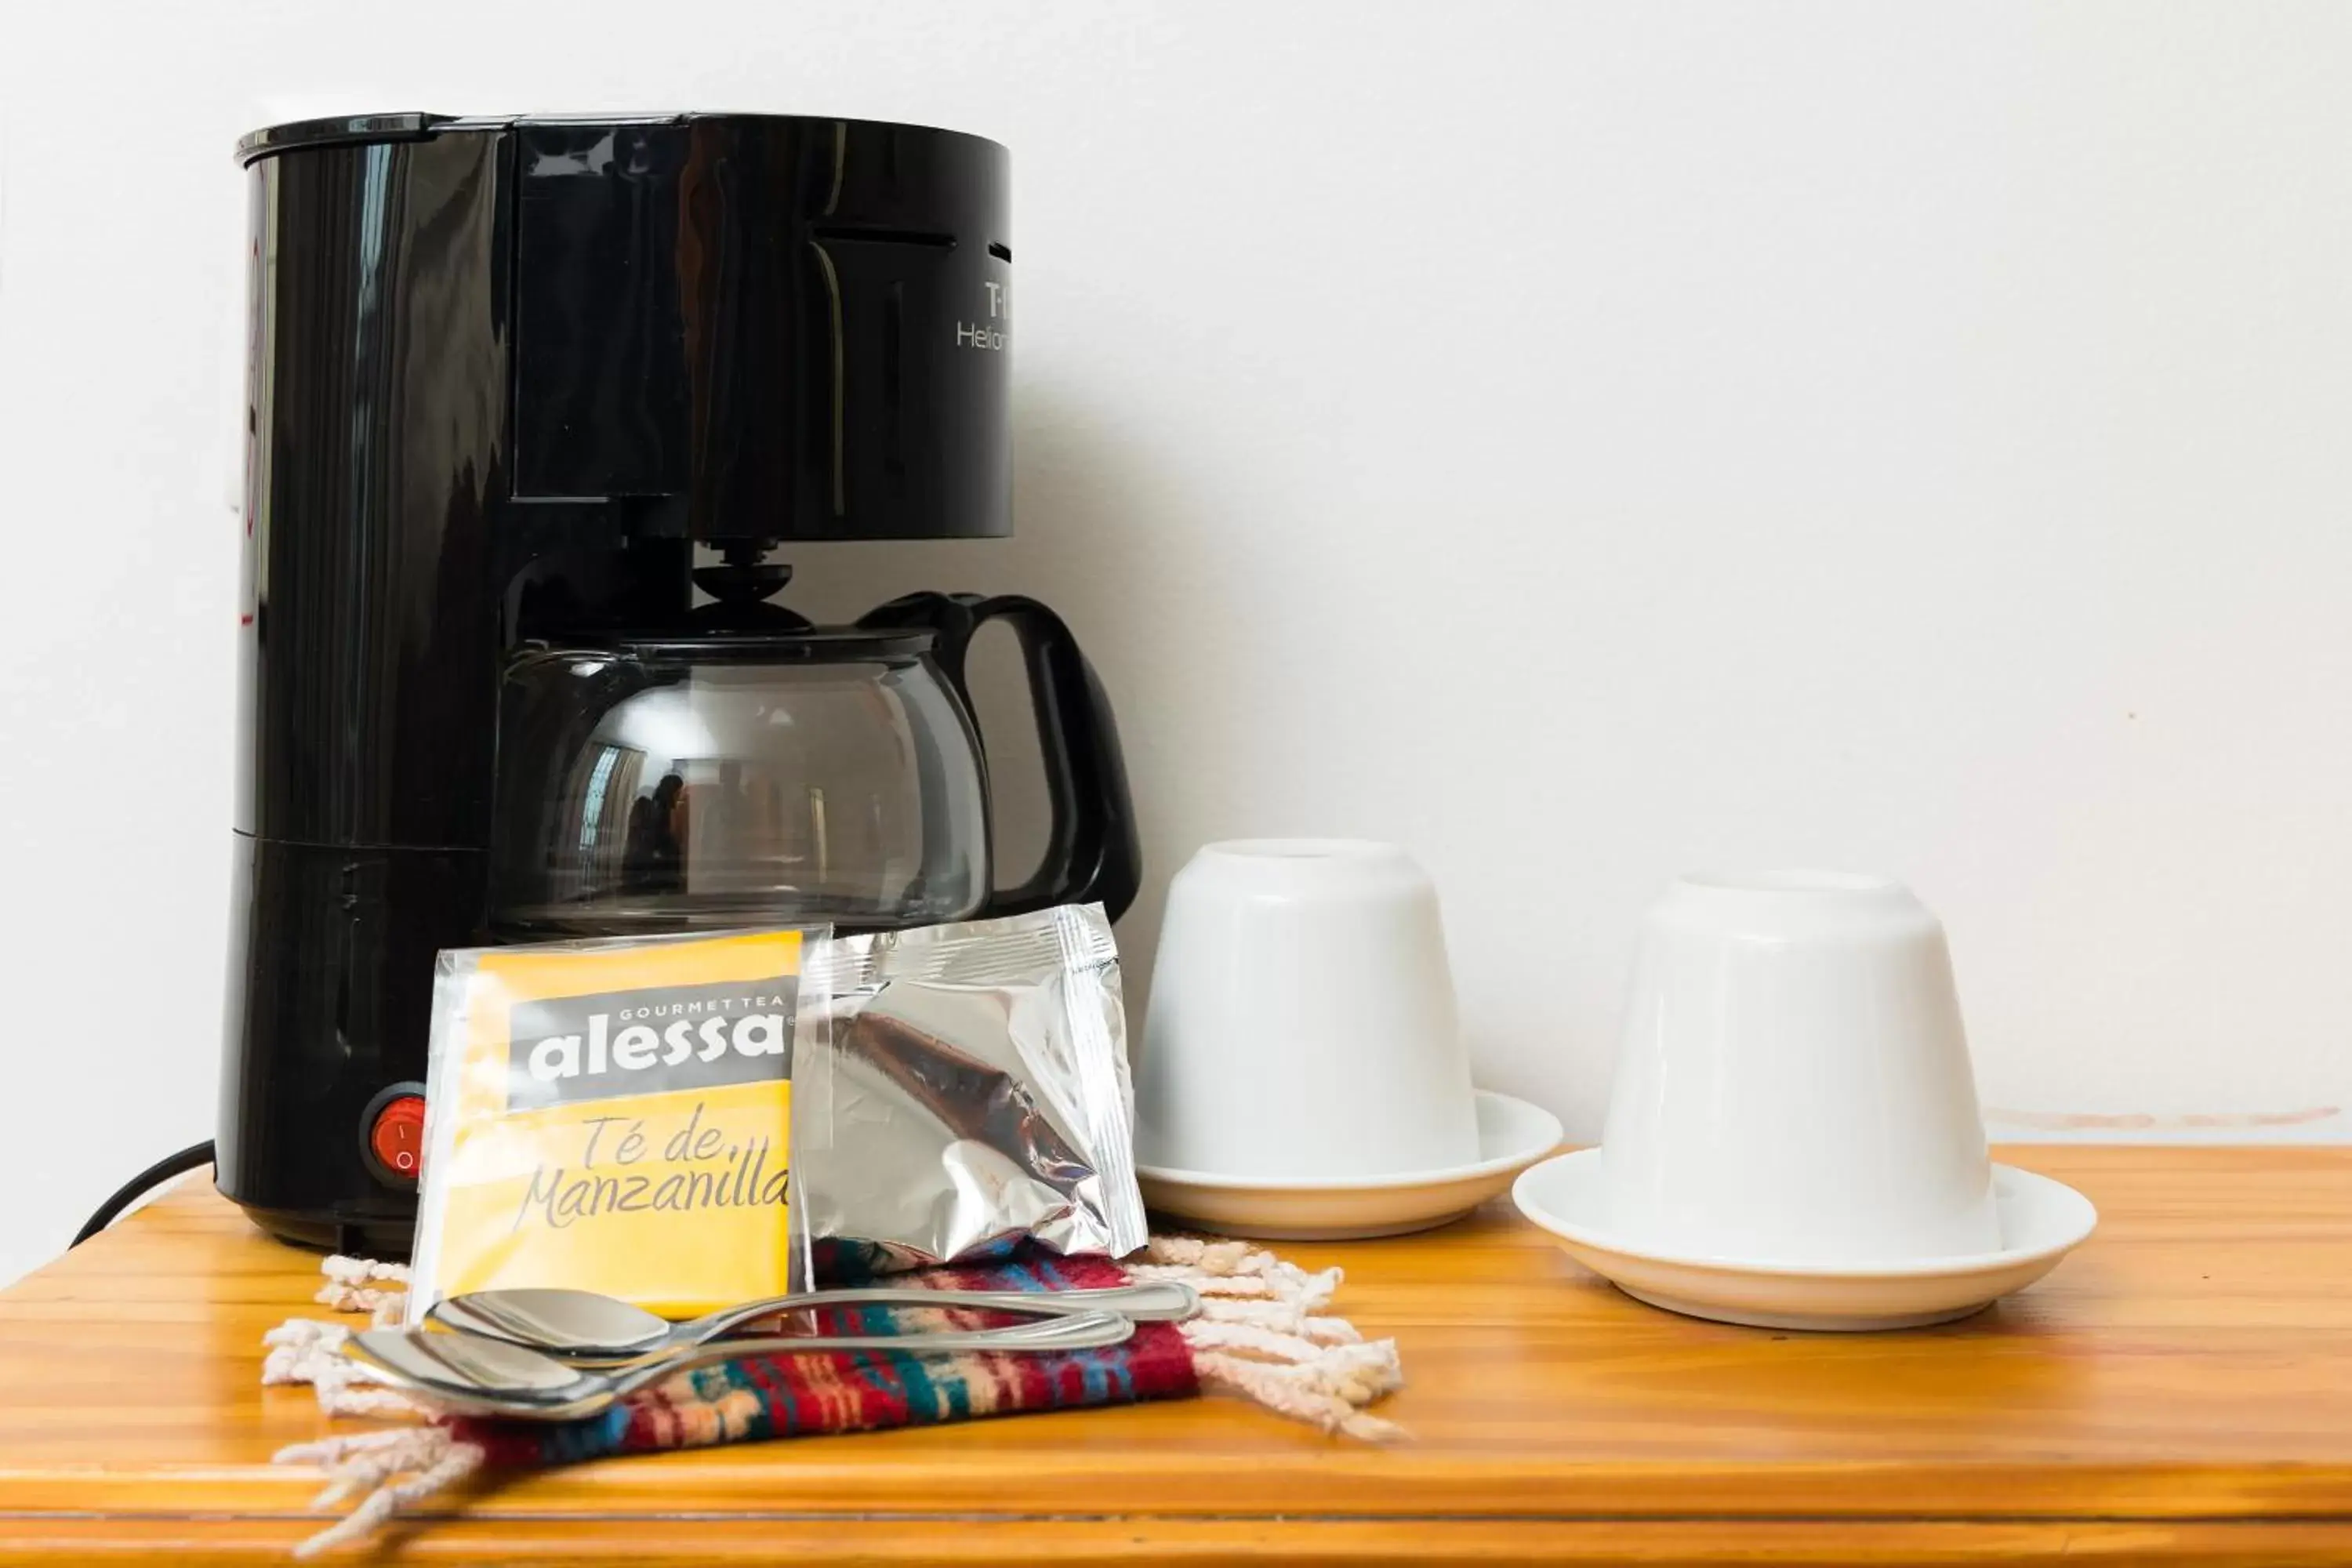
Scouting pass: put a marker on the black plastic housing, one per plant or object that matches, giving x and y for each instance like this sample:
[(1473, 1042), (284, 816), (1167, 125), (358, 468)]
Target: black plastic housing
[(503, 374)]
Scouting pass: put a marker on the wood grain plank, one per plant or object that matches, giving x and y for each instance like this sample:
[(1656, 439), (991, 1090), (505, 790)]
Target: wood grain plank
[(204, 1542), (2181, 1374)]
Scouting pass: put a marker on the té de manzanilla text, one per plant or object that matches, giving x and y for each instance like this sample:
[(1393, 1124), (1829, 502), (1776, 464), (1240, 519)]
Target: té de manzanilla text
[(739, 1176)]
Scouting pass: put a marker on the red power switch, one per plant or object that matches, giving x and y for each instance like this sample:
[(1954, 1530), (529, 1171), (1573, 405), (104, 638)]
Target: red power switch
[(397, 1138)]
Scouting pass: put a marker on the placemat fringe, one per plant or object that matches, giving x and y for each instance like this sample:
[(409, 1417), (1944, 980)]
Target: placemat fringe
[(364, 1285), (1261, 1337), (304, 1351), (430, 1457)]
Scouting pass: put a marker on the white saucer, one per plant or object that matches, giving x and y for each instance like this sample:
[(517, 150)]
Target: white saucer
[(1512, 1135), (2041, 1222)]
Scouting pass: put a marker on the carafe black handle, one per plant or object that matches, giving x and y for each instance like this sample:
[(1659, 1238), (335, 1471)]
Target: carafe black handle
[(1092, 852)]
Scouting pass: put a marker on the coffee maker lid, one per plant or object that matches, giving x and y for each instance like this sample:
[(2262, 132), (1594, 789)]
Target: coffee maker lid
[(346, 130), (335, 131), (769, 328)]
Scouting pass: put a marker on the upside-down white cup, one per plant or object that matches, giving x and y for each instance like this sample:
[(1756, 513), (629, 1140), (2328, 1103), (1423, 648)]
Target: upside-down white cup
[(1792, 1079), (1302, 1024)]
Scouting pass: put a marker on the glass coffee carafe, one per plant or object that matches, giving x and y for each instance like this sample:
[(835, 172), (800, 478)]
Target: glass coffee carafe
[(722, 778)]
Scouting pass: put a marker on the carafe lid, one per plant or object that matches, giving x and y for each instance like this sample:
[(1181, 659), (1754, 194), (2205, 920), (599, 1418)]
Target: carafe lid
[(812, 645)]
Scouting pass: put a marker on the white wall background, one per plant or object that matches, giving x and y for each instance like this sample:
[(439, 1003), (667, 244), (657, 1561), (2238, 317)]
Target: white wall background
[(1581, 442)]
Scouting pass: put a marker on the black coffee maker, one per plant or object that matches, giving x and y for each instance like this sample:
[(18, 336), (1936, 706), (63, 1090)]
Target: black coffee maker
[(518, 387)]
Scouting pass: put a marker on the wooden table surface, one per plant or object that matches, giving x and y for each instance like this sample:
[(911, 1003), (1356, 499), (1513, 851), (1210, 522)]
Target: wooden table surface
[(2180, 1389)]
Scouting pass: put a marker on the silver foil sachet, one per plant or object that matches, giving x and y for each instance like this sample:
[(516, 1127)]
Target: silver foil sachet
[(973, 1092)]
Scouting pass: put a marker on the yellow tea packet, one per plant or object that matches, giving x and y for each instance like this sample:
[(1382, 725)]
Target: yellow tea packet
[(612, 1115)]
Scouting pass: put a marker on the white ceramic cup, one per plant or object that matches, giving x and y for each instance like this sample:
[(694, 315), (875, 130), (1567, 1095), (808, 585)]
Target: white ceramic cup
[(1792, 1079), (1302, 1024)]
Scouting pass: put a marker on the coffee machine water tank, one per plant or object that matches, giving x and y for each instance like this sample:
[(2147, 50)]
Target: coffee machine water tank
[(505, 376)]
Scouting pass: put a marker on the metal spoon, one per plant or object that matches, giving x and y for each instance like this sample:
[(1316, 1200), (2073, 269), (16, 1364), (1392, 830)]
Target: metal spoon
[(470, 1377), (585, 1327)]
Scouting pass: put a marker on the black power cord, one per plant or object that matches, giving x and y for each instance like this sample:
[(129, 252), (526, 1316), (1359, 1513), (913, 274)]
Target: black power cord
[(130, 1192)]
